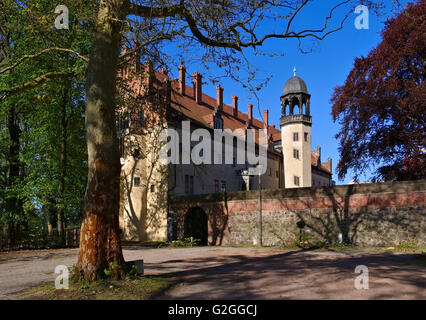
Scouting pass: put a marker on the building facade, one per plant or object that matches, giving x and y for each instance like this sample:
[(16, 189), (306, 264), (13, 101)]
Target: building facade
[(157, 103)]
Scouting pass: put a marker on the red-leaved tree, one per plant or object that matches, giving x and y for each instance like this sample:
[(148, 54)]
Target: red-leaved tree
[(382, 105)]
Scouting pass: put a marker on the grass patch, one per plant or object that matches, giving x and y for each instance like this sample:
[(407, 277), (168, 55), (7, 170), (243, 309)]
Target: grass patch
[(134, 288)]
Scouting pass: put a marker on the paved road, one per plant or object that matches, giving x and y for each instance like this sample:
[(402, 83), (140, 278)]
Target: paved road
[(241, 273)]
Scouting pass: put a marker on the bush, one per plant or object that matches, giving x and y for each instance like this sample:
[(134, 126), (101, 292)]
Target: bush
[(184, 243)]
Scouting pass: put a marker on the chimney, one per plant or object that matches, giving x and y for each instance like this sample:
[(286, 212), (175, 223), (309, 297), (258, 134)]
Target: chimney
[(319, 156), (250, 113), (149, 75), (235, 106), (197, 78), (266, 119), (329, 165), (168, 91), (182, 75), (273, 126), (219, 97)]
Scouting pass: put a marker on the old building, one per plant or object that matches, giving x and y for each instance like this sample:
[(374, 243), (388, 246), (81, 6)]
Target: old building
[(160, 103)]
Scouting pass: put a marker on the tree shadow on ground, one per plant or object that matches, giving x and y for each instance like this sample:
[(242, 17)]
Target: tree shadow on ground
[(294, 275)]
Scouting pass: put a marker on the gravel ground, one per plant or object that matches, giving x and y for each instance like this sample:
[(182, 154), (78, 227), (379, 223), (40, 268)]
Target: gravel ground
[(241, 273)]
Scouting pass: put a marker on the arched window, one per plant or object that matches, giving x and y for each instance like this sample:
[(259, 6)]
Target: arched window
[(295, 106)]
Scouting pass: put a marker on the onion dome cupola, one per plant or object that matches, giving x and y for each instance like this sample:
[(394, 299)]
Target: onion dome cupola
[(295, 101)]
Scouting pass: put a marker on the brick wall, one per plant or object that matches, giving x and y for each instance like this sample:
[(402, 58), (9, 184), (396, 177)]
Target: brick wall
[(370, 214)]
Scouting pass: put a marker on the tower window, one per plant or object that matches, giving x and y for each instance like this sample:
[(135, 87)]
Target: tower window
[(295, 153), (306, 136), (295, 136), (296, 181), (136, 153), (136, 181), (152, 188)]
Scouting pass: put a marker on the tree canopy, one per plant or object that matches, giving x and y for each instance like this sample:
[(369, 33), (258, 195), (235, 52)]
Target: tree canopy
[(382, 105)]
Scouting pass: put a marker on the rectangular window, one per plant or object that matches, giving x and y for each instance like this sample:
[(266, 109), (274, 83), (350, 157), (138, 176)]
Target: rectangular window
[(306, 136), (223, 189), (121, 146), (152, 188), (295, 153), (136, 181), (296, 181), (218, 123), (216, 186), (136, 153), (186, 184), (270, 171), (124, 121), (191, 184), (141, 119), (295, 136)]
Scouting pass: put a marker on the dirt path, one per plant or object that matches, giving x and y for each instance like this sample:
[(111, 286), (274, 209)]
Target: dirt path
[(241, 273)]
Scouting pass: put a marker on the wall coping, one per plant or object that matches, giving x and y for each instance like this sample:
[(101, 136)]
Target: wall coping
[(315, 192)]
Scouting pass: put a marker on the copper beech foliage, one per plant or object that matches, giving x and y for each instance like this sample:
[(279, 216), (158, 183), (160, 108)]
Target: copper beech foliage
[(382, 105)]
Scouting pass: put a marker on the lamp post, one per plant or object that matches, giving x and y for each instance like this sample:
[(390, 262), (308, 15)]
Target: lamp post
[(300, 224)]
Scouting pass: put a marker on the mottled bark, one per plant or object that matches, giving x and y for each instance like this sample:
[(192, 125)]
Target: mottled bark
[(100, 244)]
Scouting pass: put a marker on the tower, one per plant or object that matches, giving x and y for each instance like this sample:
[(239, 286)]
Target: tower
[(296, 124)]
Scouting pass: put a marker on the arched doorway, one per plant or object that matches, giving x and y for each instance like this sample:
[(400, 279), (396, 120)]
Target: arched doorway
[(196, 225)]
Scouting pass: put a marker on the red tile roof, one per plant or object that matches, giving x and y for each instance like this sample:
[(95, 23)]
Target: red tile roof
[(205, 111)]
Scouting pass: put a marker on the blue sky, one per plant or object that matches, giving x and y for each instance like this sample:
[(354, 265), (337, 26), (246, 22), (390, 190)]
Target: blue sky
[(326, 67)]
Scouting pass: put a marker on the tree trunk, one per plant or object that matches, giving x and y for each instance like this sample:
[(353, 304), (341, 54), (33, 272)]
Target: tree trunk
[(13, 204), (63, 166), (100, 244)]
